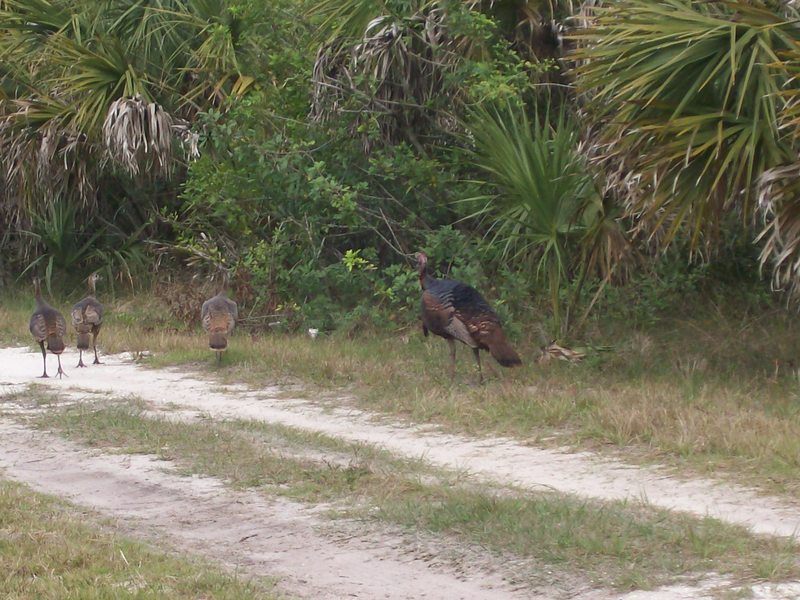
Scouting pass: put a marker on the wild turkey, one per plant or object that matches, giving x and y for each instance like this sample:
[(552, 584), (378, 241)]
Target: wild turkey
[(48, 327), (219, 316), (456, 311), (87, 317)]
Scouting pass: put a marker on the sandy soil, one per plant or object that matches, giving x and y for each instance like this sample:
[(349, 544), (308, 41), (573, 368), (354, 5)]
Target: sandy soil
[(283, 539)]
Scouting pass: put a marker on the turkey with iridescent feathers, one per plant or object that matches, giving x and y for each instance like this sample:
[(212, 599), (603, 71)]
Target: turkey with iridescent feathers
[(456, 311)]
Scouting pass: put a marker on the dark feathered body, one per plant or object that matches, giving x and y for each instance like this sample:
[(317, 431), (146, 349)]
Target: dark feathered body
[(219, 316), (87, 318), (456, 311), (48, 327), (452, 309)]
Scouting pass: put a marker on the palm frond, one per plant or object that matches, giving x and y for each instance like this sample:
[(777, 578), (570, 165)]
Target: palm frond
[(547, 213), (543, 182), (98, 74), (395, 74), (688, 102), (42, 158), (138, 135), (780, 210)]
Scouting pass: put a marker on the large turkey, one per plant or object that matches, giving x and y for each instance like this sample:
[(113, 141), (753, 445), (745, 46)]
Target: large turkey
[(456, 311)]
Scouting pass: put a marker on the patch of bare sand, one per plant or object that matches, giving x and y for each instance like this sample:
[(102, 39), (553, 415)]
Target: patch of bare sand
[(494, 459), (311, 557)]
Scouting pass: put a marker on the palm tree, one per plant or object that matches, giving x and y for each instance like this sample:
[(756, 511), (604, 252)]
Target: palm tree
[(402, 65), (547, 213), (83, 82), (779, 194), (690, 98), (85, 55)]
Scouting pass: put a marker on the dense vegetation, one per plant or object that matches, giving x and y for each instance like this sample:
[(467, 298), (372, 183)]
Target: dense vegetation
[(612, 162)]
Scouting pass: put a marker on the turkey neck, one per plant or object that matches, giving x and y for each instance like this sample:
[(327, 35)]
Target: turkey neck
[(424, 278), (37, 294)]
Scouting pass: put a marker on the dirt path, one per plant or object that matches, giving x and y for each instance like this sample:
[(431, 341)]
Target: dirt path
[(281, 538), (254, 535), (500, 460)]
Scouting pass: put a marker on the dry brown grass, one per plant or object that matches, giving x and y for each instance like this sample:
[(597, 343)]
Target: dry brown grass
[(701, 393)]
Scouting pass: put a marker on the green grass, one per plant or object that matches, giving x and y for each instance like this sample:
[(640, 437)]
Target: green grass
[(47, 552), (615, 544)]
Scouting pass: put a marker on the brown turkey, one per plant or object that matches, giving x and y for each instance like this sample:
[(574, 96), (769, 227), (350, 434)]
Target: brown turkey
[(48, 327), (87, 318), (219, 315), (456, 311)]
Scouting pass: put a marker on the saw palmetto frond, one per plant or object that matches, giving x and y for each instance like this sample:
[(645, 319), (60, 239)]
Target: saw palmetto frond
[(688, 102)]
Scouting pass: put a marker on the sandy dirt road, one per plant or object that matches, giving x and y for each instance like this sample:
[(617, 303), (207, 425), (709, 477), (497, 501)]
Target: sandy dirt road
[(244, 530), (277, 538)]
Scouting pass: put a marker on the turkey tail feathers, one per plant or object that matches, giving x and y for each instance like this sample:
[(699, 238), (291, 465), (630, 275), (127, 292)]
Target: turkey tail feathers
[(502, 351), (217, 341), (55, 343)]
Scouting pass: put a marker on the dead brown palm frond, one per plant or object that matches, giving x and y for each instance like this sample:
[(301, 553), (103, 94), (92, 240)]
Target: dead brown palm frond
[(779, 192), (138, 136), (18, 162), (554, 351), (392, 63), (779, 207), (606, 250), (68, 75), (66, 159), (330, 80), (43, 158), (631, 189)]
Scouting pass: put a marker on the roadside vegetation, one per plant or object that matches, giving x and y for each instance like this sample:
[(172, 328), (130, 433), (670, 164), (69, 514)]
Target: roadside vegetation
[(716, 394), (309, 148), (50, 550)]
